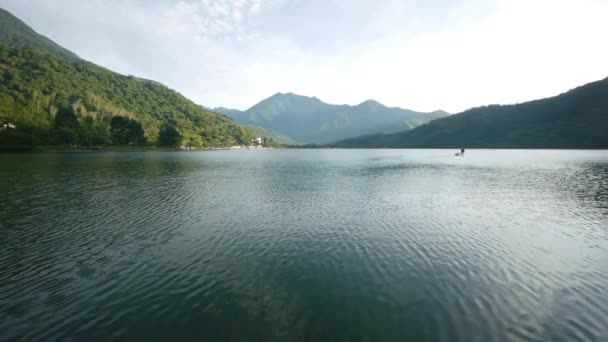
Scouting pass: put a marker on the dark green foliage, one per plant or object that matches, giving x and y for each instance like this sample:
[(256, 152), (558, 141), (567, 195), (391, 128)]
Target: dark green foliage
[(65, 128), (22, 137), (65, 118), (38, 81), (277, 138), (93, 134), (125, 131), (308, 119), (576, 119), (270, 142), (169, 136), (65, 136)]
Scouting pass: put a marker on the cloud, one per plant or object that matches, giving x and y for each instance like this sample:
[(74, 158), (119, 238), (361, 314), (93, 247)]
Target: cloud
[(513, 51), (425, 55)]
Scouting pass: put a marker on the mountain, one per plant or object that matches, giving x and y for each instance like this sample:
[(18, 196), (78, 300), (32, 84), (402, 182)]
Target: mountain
[(309, 120), (15, 33), (54, 97), (281, 139), (226, 111), (575, 119)]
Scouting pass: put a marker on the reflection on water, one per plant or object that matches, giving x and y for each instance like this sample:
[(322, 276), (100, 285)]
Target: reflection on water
[(333, 245)]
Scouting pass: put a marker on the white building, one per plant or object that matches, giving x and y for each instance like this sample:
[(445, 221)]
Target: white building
[(7, 126)]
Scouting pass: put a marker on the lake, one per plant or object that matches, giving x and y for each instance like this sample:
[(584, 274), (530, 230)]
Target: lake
[(305, 245)]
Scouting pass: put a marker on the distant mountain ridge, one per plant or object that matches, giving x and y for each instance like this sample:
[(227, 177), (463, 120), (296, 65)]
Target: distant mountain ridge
[(575, 119), (310, 120), (226, 111)]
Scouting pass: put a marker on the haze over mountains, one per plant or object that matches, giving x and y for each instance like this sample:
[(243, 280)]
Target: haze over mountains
[(310, 120)]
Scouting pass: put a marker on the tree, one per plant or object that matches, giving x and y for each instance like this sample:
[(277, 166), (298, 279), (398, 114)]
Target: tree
[(269, 142), (24, 136), (91, 133), (65, 118), (66, 127), (169, 136), (125, 131), (34, 83), (66, 136)]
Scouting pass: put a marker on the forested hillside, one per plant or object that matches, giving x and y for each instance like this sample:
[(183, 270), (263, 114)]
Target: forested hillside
[(48, 97)]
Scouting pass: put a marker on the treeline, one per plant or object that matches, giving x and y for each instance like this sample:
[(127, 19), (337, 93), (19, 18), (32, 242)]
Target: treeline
[(56, 101), (68, 131)]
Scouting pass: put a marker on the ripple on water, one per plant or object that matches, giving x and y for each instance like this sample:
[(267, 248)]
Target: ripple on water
[(305, 245)]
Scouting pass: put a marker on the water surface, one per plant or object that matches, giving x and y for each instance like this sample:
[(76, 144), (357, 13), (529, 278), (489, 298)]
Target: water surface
[(305, 245)]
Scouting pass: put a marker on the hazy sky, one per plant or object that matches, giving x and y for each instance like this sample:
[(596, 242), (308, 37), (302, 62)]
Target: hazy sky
[(417, 54)]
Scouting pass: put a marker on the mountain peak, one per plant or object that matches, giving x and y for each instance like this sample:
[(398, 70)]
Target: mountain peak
[(307, 119), (440, 112), (371, 103), (291, 98), (291, 94)]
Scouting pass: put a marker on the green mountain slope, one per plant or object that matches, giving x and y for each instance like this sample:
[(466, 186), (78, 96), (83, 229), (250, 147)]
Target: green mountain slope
[(268, 133), (309, 120), (38, 81), (226, 111), (575, 119), (17, 34)]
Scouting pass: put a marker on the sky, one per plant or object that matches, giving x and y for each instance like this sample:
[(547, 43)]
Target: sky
[(417, 54)]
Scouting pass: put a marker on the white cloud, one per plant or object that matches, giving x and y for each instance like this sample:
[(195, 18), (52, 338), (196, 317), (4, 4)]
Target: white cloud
[(422, 55), (523, 50)]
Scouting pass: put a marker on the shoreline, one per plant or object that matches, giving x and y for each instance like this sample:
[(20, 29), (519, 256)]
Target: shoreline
[(60, 149)]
